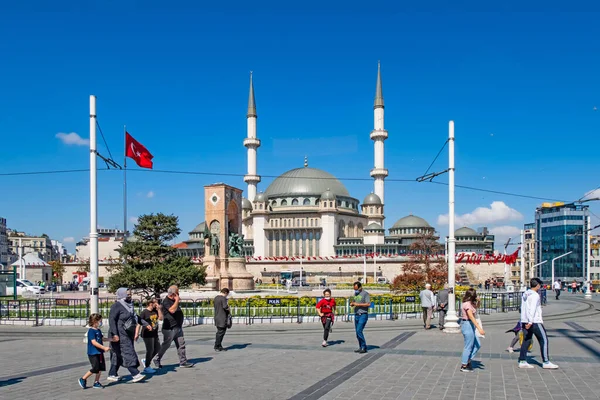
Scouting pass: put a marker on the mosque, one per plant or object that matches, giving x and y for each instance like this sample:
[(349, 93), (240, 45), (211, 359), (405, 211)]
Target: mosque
[(307, 216)]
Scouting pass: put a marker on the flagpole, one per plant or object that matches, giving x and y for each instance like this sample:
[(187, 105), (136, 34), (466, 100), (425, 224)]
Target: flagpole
[(93, 210), (125, 185)]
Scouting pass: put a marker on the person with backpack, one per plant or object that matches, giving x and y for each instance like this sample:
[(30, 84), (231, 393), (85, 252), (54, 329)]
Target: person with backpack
[(326, 310)]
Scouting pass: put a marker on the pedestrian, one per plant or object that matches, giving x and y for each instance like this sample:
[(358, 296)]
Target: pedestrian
[(326, 310), (427, 302), (533, 324), (95, 351), (518, 337), (148, 330), (361, 303), (172, 328), (222, 315), (469, 324), (122, 327), (557, 285), (442, 301)]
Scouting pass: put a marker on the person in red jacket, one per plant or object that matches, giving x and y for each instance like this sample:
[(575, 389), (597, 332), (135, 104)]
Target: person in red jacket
[(326, 310)]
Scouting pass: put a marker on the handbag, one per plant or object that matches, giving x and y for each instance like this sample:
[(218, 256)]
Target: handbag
[(130, 326), (229, 321), (477, 334), (85, 337)]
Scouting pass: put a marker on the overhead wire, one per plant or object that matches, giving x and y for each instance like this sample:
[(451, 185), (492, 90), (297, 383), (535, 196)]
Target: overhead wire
[(436, 157)]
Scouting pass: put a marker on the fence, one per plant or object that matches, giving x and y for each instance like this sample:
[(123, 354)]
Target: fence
[(244, 311)]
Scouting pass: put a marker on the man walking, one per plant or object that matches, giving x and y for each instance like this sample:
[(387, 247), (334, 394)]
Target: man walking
[(533, 324), (427, 305), (442, 301), (221, 317), (172, 328), (557, 286), (361, 303)]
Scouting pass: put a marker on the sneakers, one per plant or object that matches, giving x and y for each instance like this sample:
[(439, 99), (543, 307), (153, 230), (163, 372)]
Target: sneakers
[(324, 344), (82, 383), (143, 362), (186, 365), (149, 370), (549, 365), (525, 365), (138, 378), (362, 351), (510, 350), (114, 378), (157, 364), (98, 385), (465, 368)]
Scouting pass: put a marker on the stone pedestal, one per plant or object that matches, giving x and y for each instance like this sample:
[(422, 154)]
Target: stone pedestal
[(228, 273)]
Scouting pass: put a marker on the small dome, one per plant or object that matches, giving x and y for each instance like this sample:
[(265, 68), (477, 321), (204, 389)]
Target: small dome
[(261, 197), (372, 200), (465, 231), (198, 229), (373, 226), (246, 205), (328, 195), (411, 221)]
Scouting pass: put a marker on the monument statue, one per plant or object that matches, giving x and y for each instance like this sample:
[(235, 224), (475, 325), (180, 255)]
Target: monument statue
[(214, 245), (236, 245)]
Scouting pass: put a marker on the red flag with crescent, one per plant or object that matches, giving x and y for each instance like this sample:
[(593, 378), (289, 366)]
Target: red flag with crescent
[(137, 151)]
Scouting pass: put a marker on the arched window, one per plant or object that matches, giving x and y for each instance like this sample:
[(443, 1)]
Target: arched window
[(306, 202), (342, 229), (295, 202), (283, 202), (360, 230), (351, 232)]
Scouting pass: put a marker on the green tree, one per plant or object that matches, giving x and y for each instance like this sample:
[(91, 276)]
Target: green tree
[(58, 269), (149, 264)]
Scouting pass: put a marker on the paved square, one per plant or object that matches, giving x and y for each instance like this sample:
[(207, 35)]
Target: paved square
[(286, 361)]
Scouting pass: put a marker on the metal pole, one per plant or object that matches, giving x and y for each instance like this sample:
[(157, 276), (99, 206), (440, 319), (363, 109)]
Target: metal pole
[(556, 258), (522, 260), (365, 266), (451, 325), (374, 263), (125, 185), (93, 210), (588, 279)]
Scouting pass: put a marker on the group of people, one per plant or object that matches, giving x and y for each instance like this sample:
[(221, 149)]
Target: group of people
[(530, 324), (125, 327)]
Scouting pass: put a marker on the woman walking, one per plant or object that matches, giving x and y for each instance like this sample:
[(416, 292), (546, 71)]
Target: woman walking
[(468, 326), (148, 330), (122, 326), (326, 310)]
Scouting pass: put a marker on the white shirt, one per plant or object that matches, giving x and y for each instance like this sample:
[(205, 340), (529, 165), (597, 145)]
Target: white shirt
[(557, 285), (531, 308)]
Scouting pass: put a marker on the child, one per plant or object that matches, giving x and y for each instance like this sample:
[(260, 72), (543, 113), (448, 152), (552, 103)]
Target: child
[(326, 310), (518, 338), (95, 351)]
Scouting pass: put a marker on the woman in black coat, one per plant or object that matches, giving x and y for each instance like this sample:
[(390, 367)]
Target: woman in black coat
[(122, 325)]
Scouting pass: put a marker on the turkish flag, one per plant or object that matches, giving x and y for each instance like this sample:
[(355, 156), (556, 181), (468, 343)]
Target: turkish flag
[(137, 151)]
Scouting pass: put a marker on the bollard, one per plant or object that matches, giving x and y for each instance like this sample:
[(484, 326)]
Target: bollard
[(298, 310)]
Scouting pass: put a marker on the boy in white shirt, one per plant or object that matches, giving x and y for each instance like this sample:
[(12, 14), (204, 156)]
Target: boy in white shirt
[(533, 324)]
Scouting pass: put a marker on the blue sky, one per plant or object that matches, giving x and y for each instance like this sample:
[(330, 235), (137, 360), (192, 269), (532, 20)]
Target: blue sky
[(521, 88)]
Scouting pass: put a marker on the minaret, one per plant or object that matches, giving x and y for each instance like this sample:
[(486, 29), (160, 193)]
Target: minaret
[(252, 144), (378, 135)]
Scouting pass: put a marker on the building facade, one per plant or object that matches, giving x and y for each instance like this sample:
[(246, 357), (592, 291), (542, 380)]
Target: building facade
[(109, 242), (561, 228), (528, 249), (480, 242), (595, 258), (39, 245), (4, 250)]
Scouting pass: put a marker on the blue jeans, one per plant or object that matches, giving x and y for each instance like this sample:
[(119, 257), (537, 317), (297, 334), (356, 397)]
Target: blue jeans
[(359, 324), (472, 344)]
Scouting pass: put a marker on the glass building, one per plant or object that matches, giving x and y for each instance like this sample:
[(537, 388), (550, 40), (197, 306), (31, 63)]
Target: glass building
[(561, 228)]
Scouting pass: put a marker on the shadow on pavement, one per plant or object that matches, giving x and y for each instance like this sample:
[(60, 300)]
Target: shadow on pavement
[(238, 346), (172, 367), (12, 381), (336, 342)]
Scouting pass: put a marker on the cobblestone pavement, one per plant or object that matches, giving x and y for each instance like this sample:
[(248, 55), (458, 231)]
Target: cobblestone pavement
[(286, 361)]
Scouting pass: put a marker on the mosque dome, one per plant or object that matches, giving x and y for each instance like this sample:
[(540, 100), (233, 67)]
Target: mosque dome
[(465, 231), (328, 195), (411, 221), (372, 200), (306, 181), (373, 226), (246, 205), (260, 197)]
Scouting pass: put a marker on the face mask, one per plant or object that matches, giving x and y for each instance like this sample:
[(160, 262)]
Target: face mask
[(128, 299), (357, 292), (328, 297)]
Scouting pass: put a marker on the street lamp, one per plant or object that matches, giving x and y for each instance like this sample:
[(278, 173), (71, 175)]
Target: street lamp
[(556, 258), (537, 265)]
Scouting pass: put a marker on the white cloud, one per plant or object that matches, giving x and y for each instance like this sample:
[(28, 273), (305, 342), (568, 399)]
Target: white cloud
[(592, 194), (69, 239), (497, 212), (506, 231), (150, 194), (72, 139), (133, 220)]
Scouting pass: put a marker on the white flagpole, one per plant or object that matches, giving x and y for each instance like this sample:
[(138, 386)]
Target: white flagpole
[(125, 185), (93, 210)]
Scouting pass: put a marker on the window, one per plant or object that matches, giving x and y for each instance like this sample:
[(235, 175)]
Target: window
[(295, 202), (283, 202), (306, 202)]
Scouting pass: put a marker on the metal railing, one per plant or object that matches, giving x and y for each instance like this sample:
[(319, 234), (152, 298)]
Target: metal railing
[(246, 311)]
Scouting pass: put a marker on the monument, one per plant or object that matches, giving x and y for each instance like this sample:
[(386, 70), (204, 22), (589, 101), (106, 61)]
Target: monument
[(224, 256)]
